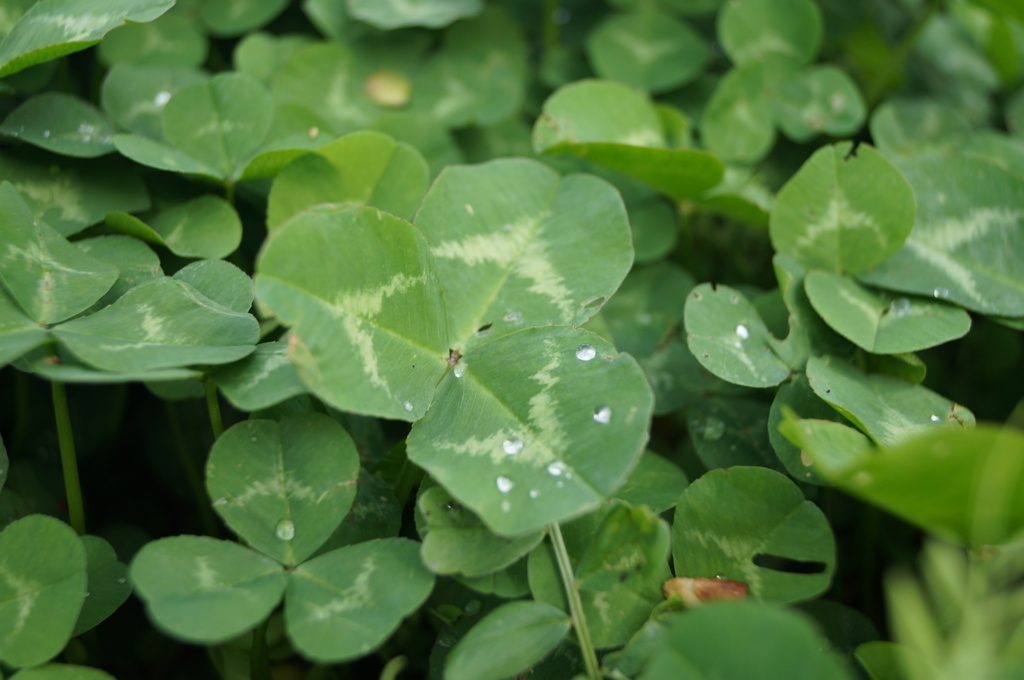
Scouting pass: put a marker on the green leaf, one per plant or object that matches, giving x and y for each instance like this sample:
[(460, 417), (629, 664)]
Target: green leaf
[(881, 322), (654, 482), (884, 660), (283, 487), (135, 261), (744, 640), (556, 420), (49, 277), (627, 579), (648, 50), (260, 380), (456, 541), (753, 30), (753, 525), (173, 40), (845, 210), (62, 124), (727, 432), (344, 604), (825, 445), (135, 96), (220, 281), (507, 641), (737, 122), (967, 245), (797, 397), (203, 590), (53, 28), (108, 586), (962, 485), (376, 513), (513, 259), (908, 128), (391, 14), (60, 671), (161, 324), (42, 589), (360, 291), (18, 333), (77, 373), (228, 18), (887, 409), (615, 126), (818, 100), (162, 156), (73, 194), (727, 336), (367, 168), (808, 335), (205, 227), (220, 122)]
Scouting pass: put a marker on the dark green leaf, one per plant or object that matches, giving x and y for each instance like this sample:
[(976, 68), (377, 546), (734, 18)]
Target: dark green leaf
[(59, 671), (135, 96), (344, 604), (819, 100), (260, 380), (18, 333), (390, 14), (283, 487), (751, 30), (107, 587), (510, 639), (173, 40), (62, 124), (235, 17), (727, 432), (200, 589), (654, 482), (220, 281), (730, 522)]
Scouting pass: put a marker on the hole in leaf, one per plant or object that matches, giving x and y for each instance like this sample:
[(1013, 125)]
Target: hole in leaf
[(852, 153), (594, 302), (787, 565), (485, 328)]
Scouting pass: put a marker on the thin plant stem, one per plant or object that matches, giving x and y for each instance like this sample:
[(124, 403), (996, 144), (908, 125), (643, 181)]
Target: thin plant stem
[(68, 458), (192, 473), (579, 619), (550, 26), (875, 89), (213, 406), (259, 662)]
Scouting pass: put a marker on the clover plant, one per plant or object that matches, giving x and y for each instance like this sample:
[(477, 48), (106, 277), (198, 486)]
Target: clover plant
[(476, 340)]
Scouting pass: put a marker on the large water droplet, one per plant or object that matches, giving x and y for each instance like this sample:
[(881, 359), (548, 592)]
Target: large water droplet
[(935, 418), (713, 429), (460, 369), (742, 331), (556, 468), (585, 352), (504, 484), (900, 307), (512, 445), (603, 414), (940, 293), (285, 530)]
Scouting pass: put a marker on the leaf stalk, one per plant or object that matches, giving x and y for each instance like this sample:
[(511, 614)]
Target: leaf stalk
[(68, 458), (572, 593)]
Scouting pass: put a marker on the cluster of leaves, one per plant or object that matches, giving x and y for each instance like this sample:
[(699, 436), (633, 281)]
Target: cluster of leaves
[(480, 372)]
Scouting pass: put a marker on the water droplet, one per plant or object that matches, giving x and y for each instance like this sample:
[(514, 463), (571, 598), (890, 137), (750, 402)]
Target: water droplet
[(556, 468), (585, 352), (899, 307), (46, 134), (254, 439), (935, 418), (504, 484), (512, 445), (460, 369), (713, 429), (86, 129), (472, 607), (940, 293), (742, 331), (534, 493), (408, 406), (161, 97), (87, 594), (122, 580), (285, 530), (603, 414), (514, 316)]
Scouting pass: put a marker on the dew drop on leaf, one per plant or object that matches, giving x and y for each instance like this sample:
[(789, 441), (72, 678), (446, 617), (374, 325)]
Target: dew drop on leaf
[(935, 418), (940, 293), (713, 429), (603, 414), (556, 468), (512, 445), (161, 97), (472, 607), (742, 331), (460, 370), (899, 307), (285, 530), (407, 405), (504, 484), (534, 493), (585, 352)]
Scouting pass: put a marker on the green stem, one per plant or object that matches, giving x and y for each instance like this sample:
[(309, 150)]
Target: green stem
[(874, 90), (68, 459), (192, 473), (259, 662), (579, 619), (213, 406), (229, 192), (551, 28)]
